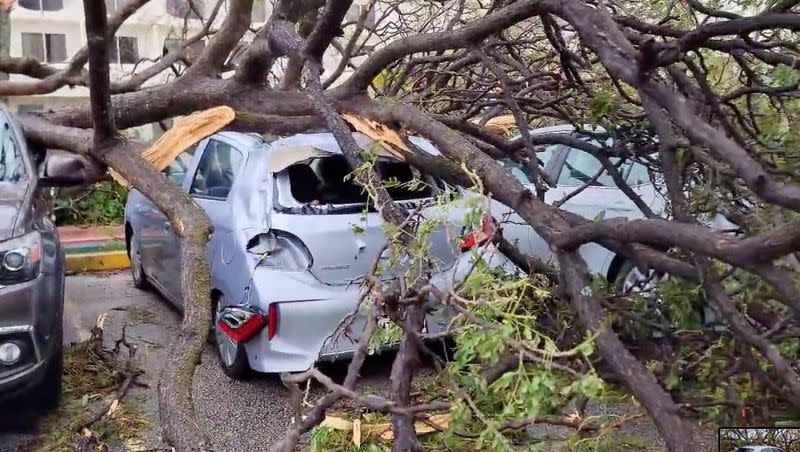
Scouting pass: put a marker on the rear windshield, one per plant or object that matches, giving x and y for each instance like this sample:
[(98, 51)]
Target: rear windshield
[(327, 181)]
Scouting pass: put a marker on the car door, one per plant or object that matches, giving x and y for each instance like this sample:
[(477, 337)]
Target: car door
[(602, 197), (515, 229), (217, 167), (163, 245)]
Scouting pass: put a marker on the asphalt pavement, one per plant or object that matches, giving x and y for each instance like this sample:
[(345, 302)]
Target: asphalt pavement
[(239, 416)]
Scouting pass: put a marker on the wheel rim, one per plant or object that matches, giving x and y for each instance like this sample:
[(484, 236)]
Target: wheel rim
[(225, 345), (136, 260)]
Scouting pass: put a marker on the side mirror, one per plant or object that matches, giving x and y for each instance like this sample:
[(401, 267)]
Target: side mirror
[(64, 169)]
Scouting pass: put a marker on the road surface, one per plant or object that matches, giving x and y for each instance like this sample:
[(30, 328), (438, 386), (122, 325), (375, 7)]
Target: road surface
[(240, 416)]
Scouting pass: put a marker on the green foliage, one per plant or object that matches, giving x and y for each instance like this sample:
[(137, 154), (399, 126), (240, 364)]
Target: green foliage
[(101, 204), (603, 107)]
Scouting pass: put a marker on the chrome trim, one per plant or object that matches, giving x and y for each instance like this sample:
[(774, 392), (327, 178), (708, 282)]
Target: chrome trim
[(23, 374), (24, 329), (16, 329)]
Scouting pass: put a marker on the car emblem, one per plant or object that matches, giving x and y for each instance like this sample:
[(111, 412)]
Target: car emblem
[(336, 267)]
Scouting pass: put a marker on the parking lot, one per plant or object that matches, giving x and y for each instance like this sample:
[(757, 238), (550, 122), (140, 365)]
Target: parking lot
[(241, 416)]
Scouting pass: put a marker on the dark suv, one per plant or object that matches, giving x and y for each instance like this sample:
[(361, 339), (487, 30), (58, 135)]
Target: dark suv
[(31, 273)]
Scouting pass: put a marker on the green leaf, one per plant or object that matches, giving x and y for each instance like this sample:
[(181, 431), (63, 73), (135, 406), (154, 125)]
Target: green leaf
[(600, 215)]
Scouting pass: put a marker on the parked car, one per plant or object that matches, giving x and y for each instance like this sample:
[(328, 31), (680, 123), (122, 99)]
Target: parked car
[(571, 169), (31, 270), (291, 236)]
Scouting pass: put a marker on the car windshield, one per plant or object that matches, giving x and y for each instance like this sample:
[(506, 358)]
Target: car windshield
[(12, 167), (523, 172), (327, 181)]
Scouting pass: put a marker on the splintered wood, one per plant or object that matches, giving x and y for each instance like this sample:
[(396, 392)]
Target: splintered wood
[(186, 132), (381, 133), (503, 125), (382, 431)]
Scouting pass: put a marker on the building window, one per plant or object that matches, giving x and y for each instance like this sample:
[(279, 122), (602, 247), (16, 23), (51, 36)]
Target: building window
[(42, 5), (170, 44), (193, 9), (259, 12), (125, 50), (50, 48), (355, 12)]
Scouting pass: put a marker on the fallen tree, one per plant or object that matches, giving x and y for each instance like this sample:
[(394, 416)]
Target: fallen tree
[(700, 96)]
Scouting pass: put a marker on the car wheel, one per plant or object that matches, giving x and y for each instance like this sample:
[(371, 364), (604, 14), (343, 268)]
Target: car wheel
[(48, 393), (232, 355), (137, 271)]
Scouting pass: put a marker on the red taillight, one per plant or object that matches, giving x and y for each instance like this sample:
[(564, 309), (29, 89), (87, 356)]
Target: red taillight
[(481, 236), (241, 324), (272, 320)]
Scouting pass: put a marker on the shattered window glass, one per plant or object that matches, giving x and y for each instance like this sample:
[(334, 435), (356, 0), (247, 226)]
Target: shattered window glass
[(216, 171), (12, 167), (328, 180)]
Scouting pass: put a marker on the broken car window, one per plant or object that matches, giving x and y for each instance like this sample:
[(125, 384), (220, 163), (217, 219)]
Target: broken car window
[(216, 171), (328, 181)]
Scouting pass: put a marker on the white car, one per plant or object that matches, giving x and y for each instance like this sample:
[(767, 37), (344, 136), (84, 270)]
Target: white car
[(572, 168)]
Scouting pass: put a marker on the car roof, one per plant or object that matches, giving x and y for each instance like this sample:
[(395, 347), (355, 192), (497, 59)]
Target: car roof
[(323, 140), (245, 141)]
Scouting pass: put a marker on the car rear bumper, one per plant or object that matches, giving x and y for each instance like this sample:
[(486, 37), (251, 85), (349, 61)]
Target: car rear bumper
[(310, 314), (30, 316)]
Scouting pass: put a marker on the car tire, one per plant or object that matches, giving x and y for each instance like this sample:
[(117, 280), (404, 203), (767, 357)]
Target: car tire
[(48, 393), (231, 354), (137, 270)]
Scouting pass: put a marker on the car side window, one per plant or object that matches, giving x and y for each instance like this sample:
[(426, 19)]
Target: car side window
[(580, 167), (638, 174), (176, 171), (12, 165), (516, 170), (218, 167)]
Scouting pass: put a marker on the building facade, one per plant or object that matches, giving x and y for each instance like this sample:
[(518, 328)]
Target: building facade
[(52, 31)]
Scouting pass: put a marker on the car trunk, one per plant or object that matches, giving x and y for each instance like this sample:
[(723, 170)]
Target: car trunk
[(320, 204)]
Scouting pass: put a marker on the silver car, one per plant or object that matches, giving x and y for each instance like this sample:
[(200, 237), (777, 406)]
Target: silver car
[(291, 236), (571, 169)]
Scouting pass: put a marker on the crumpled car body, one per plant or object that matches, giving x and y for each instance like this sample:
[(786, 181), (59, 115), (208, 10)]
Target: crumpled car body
[(293, 238)]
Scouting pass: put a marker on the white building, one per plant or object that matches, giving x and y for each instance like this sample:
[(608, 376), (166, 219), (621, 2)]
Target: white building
[(52, 31)]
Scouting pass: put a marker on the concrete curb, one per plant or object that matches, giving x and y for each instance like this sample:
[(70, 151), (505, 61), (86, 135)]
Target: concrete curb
[(94, 248), (100, 261)]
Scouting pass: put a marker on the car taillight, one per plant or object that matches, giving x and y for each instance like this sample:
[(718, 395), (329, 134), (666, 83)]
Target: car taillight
[(481, 236), (272, 320), (242, 322)]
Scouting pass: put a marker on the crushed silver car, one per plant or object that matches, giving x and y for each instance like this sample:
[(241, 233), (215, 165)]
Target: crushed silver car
[(292, 236)]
